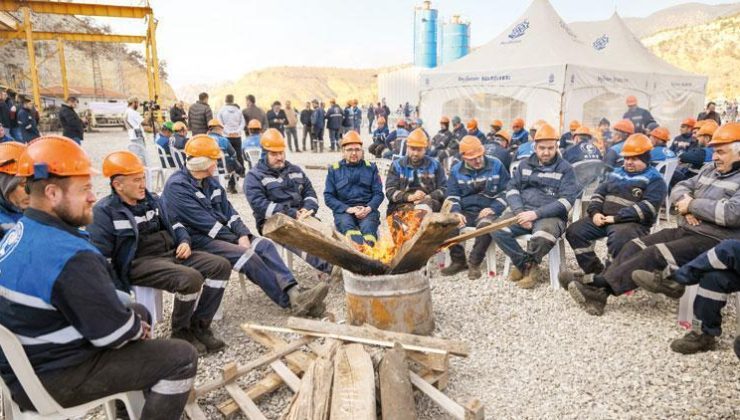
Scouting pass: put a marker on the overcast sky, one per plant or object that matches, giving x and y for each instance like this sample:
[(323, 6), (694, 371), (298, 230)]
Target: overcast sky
[(216, 40)]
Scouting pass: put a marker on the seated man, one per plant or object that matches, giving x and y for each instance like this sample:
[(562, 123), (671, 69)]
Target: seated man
[(497, 147), (540, 194), (180, 138), (525, 150), (82, 342), (660, 153), (622, 130), (496, 126), (275, 185), (583, 148), (394, 142), (685, 140), (441, 140), (622, 208), (458, 129), (717, 272), (475, 188), (708, 204), (474, 131), (193, 197), (252, 141), (519, 135), (568, 138), (379, 135), (13, 197), (164, 138), (233, 167), (415, 182), (694, 158), (131, 228), (354, 192)]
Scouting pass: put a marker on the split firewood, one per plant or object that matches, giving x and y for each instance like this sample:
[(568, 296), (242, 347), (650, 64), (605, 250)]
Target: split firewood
[(396, 395), (353, 390), (313, 399)]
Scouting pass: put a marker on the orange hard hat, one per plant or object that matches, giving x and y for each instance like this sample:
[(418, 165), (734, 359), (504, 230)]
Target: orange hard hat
[(631, 100), (215, 123), (583, 131), (636, 145), (472, 124), (728, 133), (708, 128), (689, 122), (272, 140), (444, 120), (574, 125), (471, 147), (351, 137), (625, 126), (203, 145), (661, 133), (254, 125), (381, 120), (179, 126), (546, 132), (54, 155), (417, 138), (9, 153), (537, 124), (122, 163), (517, 123), (504, 135), (497, 123)]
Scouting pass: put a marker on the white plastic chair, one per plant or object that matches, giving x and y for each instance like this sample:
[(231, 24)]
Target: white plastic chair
[(46, 406), (152, 173), (164, 162), (556, 258), (514, 166), (667, 168), (252, 155), (152, 300), (443, 257), (686, 308), (223, 172)]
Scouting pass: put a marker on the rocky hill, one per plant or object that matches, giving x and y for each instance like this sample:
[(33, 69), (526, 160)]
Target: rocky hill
[(681, 15), (121, 69)]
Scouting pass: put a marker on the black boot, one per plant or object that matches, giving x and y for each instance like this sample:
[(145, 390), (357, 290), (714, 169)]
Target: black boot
[(186, 334), (694, 342), (656, 282), (302, 301), (202, 331), (591, 299), (457, 265)]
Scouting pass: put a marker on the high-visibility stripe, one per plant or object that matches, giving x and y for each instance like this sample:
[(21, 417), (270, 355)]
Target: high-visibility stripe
[(215, 284), (312, 199), (115, 335), (244, 259), (186, 298), (62, 336), (24, 299), (618, 200), (545, 235), (565, 203), (270, 209), (233, 219), (719, 212), (710, 294), (640, 214), (215, 229), (168, 387), (177, 226), (640, 243), (215, 194), (714, 261), (122, 224), (580, 251), (666, 253)]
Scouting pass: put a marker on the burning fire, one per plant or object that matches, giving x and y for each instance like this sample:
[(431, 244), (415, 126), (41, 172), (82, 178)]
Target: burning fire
[(403, 226)]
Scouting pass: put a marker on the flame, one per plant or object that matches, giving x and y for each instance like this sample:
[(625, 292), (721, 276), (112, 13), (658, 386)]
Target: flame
[(403, 226)]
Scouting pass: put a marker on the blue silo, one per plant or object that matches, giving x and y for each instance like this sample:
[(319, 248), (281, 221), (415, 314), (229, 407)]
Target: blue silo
[(455, 40), (425, 36)]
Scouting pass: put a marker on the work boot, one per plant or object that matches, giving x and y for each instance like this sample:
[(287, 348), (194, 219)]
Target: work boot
[(187, 335), (591, 299), (203, 332), (694, 342), (565, 278), (456, 266), (515, 275), (317, 311), (654, 281), (303, 300), (530, 278), (474, 271)]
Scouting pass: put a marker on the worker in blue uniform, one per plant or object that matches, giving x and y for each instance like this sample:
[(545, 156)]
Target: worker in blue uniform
[(13, 196), (622, 129), (640, 117), (659, 136), (685, 140), (194, 197), (354, 192), (82, 341)]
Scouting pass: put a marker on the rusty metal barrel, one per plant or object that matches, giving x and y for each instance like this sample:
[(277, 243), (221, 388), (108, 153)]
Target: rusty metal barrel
[(393, 302)]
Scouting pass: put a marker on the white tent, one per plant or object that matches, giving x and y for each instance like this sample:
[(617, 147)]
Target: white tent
[(539, 68)]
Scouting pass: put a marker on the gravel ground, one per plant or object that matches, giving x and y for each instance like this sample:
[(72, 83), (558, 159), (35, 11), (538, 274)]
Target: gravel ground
[(535, 354)]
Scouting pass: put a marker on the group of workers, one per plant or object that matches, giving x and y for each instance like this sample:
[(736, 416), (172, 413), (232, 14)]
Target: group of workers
[(75, 316)]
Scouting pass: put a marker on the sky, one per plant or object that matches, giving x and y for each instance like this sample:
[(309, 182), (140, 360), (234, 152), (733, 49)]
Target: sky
[(218, 40)]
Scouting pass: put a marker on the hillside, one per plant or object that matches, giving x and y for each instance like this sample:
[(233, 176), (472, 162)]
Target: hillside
[(686, 14), (710, 48), (121, 70)]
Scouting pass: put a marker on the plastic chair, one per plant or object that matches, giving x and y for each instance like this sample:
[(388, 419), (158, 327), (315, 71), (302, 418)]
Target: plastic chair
[(555, 257), (46, 406), (686, 308), (178, 156), (443, 257), (252, 155), (514, 166), (667, 168), (151, 173), (152, 300), (223, 172)]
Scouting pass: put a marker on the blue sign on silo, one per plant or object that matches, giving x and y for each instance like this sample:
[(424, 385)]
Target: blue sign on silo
[(455, 40), (425, 36)]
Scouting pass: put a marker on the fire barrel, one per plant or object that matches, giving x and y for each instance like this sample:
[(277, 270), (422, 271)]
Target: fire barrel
[(394, 302)]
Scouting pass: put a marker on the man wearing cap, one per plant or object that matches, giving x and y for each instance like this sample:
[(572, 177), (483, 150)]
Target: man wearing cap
[(146, 248), (497, 146), (623, 207), (194, 198), (415, 181), (519, 135), (164, 138), (13, 196), (458, 129), (234, 124), (275, 186), (685, 140), (525, 150), (379, 136), (233, 167), (394, 142), (473, 130), (476, 189), (708, 206), (334, 123), (622, 130), (496, 126), (354, 192), (132, 122), (72, 125), (583, 149), (80, 339), (640, 117), (660, 152), (540, 194), (26, 122)]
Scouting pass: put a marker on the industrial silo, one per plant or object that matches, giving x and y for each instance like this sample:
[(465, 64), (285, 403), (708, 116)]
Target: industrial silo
[(455, 39), (425, 36)]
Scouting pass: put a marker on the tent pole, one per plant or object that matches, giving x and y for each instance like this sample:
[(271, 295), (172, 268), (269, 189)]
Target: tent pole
[(562, 99)]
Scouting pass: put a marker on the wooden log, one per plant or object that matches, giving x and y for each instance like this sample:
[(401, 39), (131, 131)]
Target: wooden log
[(414, 253), (290, 232), (378, 337), (194, 412), (396, 395), (298, 359), (248, 406), (287, 375), (267, 385), (431, 361), (353, 390), (313, 399), (443, 401), (497, 225)]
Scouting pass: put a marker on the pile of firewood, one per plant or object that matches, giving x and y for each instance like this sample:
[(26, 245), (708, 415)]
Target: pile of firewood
[(339, 379)]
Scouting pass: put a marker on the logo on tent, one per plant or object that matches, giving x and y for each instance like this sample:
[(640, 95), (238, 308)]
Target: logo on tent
[(601, 42), (551, 78), (519, 30)]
